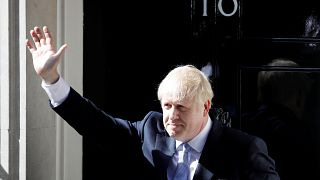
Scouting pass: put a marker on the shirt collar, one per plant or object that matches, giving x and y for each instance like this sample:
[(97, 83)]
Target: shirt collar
[(197, 143)]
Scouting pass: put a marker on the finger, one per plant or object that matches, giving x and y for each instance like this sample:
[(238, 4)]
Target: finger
[(40, 35), (35, 38), (30, 46), (47, 35)]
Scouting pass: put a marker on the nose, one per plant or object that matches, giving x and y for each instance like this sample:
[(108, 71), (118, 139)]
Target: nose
[(174, 114)]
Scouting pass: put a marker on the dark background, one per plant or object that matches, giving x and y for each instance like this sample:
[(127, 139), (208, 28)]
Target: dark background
[(129, 46)]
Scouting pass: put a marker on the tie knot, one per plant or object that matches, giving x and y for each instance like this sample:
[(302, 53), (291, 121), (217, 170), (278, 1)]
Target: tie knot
[(185, 150), (187, 147), (183, 147)]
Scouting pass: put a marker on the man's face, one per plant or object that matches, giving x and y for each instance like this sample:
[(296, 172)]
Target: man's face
[(183, 120)]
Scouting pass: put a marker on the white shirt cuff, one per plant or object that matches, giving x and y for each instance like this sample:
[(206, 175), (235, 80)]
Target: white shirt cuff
[(57, 92)]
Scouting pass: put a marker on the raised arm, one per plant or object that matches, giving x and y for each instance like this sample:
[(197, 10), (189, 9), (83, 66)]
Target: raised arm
[(44, 55)]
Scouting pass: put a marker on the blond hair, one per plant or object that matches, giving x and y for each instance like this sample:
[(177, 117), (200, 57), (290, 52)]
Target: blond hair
[(186, 82)]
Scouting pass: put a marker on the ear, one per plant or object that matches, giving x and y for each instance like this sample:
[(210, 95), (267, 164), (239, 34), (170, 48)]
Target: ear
[(207, 106)]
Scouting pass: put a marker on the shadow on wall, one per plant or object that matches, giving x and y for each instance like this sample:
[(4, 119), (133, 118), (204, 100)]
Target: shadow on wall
[(3, 174)]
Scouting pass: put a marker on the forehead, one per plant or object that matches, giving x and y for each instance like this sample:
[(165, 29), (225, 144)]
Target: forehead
[(174, 100)]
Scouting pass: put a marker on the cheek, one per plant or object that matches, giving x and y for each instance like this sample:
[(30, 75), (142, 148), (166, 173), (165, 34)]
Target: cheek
[(165, 118), (193, 119)]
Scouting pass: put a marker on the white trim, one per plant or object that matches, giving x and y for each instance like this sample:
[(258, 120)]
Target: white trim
[(22, 90), (12, 90), (59, 122), (69, 142), (4, 87)]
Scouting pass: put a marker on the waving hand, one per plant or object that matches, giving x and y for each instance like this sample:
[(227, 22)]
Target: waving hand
[(44, 55)]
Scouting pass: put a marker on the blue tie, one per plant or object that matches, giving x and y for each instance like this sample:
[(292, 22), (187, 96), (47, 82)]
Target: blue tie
[(182, 171)]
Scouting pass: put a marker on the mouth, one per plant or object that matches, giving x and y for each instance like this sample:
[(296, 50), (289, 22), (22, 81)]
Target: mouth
[(175, 125)]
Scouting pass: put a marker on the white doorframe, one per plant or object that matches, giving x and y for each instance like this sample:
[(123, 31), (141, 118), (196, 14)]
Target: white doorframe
[(70, 31)]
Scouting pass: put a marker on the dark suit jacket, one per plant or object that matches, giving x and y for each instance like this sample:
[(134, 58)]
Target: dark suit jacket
[(228, 153)]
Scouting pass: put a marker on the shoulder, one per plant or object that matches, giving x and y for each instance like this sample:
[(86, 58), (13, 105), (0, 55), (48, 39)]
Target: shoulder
[(152, 121), (237, 134), (153, 115), (222, 128), (241, 137), (236, 138)]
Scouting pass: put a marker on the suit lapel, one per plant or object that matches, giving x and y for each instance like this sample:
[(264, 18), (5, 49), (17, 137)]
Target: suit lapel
[(163, 152), (202, 173), (208, 160), (165, 144)]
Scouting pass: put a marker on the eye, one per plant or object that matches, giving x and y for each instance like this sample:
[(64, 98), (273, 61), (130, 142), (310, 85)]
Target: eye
[(182, 108), (166, 106)]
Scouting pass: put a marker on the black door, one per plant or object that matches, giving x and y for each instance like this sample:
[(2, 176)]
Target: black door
[(129, 46)]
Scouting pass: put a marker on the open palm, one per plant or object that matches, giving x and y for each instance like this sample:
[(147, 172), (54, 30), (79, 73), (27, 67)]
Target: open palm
[(45, 57)]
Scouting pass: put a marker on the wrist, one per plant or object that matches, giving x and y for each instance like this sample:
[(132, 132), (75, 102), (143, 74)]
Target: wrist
[(51, 79)]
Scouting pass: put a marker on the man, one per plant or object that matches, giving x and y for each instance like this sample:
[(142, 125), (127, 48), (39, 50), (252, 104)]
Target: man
[(182, 142)]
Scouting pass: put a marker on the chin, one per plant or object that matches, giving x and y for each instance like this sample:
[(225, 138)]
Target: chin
[(171, 133), (174, 131), (176, 136)]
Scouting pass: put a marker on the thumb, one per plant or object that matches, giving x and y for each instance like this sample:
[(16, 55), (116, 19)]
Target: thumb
[(61, 50)]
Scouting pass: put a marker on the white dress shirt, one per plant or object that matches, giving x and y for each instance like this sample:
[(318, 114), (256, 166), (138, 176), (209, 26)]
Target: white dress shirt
[(57, 92)]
